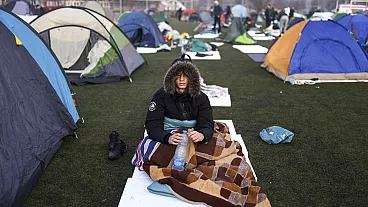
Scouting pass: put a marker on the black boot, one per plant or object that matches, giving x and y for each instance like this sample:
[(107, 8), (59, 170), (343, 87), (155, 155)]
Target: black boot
[(116, 146)]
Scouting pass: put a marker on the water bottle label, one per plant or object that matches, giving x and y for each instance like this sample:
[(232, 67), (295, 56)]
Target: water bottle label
[(178, 163)]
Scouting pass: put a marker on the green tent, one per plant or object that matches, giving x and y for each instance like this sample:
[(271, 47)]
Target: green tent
[(160, 17), (122, 14), (237, 34), (337, 16)]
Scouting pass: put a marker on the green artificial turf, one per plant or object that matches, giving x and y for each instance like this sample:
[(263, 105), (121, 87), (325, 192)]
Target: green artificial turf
[(325, 165)]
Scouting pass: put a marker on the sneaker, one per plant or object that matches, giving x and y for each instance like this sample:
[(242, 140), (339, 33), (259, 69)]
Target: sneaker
[(117, 149), (114, 138)]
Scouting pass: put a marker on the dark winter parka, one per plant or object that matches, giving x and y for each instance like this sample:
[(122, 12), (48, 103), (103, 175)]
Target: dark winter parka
[(190, 105)]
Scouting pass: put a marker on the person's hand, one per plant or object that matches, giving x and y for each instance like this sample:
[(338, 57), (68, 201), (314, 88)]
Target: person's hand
[(195, 136), (176, 138)]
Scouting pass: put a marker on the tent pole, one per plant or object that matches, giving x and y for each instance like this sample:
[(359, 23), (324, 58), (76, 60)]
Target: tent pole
[(121, 9)]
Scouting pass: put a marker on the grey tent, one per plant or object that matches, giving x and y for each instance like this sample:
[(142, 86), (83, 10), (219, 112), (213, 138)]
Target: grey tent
[(206, 18), (194, 17), (237, 34), (36, 109)]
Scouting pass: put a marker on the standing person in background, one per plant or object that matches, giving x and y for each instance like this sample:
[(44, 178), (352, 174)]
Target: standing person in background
[(217, 11), (291, 14), (211, 11), (284, 21), (269, 15), (179, 13), (228, 15)]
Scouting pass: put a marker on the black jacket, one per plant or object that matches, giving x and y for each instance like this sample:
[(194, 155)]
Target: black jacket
[(217, 10), (180, 107), (191, 105)]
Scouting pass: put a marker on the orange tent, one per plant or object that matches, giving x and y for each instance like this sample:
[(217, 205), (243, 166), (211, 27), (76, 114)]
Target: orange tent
[(189, 12)]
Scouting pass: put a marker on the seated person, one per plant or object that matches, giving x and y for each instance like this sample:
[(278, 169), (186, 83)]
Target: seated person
[(180, 104), (249, 23)]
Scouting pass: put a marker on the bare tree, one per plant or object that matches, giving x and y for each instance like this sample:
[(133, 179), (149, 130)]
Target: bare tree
[(258, 4)]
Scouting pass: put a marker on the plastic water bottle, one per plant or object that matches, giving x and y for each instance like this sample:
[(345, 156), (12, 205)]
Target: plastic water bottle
[(181, 153)]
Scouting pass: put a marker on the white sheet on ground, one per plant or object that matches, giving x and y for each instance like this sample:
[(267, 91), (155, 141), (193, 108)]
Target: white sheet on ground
[(218, 44), (263, 38), (164, 47), (206, 36), (136, 194), (255, 49), (145, 50), (220, 101), (214, 55), (258, 35), (213, 90)]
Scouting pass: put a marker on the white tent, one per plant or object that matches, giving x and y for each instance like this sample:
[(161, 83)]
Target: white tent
[(171, 5), (70, 30), (240, 11), (97, 7), (322, 16)]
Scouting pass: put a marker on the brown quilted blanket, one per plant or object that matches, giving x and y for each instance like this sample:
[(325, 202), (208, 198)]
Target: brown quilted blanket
[(216, 173)]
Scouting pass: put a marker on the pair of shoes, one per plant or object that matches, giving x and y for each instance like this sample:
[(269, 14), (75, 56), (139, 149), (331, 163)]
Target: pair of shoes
[(116, 146)]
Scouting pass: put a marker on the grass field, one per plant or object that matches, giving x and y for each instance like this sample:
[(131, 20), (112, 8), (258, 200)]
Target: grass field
[(325, 165)]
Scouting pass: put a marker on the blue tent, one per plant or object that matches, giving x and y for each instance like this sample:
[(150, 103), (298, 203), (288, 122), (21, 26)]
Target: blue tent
[(36, 108), (358, 25), (151, 11), (141, 29), (317, 49), (295, 21)]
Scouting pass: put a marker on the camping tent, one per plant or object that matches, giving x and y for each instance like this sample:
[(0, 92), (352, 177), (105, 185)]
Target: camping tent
[(121, 15), (36, 109), (295, 21), (240, 11), (206, 18), (194, 17), (317, 49), (141, 29), (111, 56), (337, 16), (160, 16), (321, 16), (97, 7), (151, 11), (298, 15), (237, 34), (357, 25), (364, 13), (187, 14), (20, 8)]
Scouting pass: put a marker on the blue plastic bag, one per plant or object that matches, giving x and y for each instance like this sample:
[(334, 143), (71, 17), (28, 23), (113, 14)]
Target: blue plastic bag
[(276, 135), (160, 189)]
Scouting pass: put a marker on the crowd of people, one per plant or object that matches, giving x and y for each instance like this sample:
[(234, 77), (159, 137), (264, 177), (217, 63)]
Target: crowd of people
[(283, 16)]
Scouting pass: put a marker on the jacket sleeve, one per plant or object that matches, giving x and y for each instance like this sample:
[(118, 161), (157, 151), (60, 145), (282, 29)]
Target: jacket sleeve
[(155, 119), (205, 123)]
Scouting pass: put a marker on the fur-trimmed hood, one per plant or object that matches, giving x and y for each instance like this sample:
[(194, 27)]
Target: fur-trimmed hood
[(190, 70)]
